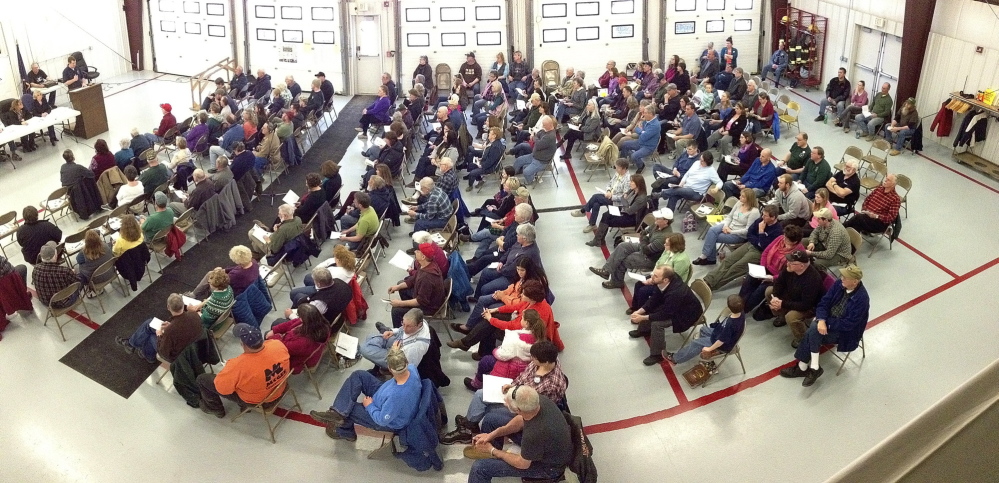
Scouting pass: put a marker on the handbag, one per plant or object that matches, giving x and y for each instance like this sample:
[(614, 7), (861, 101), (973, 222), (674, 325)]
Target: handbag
[(697, 375), (689, 223)]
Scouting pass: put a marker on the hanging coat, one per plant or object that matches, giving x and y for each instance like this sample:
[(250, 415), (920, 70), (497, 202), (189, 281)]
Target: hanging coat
[(357, 309), (14, 296), (943, 121), (109, 182), (85, 198), (461, 283)]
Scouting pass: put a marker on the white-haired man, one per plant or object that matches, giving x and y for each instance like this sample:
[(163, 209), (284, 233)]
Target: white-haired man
[(287, 228)]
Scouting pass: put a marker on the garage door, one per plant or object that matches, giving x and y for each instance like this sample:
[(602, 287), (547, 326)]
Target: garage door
[(190, 35), (445, 30), (691, 24), (295, 37), (585, 34)]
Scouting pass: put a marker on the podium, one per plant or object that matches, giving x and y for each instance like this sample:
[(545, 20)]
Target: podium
[(93, 119)]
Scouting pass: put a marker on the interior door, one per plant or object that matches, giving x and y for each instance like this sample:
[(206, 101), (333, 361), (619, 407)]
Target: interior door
[(295, 37), (691, 24), (190, 35), (585, 34), (445, 30), (876, 58), (366, 39)]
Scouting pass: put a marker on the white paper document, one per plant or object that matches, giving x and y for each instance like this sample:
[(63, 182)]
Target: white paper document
[(635, 276), (402, 260), (521, 105), (493, 265), (180, 194), (290, 198), (346, 345), (731, 160), (155, 324), (599, 190), (866, 111), (380, 142), (757, 271), (190, 301), (705, 209), (492, 388), (573, 127), (614, 211), (631, 239), (259, 233), (368, 162), (335, 235), (662, 174), (671, 135)]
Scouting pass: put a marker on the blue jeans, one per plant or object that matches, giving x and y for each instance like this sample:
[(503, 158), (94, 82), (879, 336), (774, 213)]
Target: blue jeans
[(475, 175), (522, 148), (778, 72), (692, 349), (674, 195), (901, 137), (636, 152), (425, 224), (260, 163), (376, 348), (522, 162), (479, 409), (485, 239), (592, 206), (868, 125), (144, 340), (490, 280), (483, 471), (532, 170), (359, 382), (475, 316)]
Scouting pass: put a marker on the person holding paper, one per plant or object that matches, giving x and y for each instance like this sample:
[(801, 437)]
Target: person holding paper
[(749, 151), (637, 255), (673, 304), (388, 406), (203, 191), (220, 300), (391, 155), (434, 210), (423, 289), (512, 295), (686, 134), (486, 160), (588, 130), (508, 317), (544, 374), (673, 256), (412, 338), (244, 273), (155, 340), (310, 202), (773, 260), (666, 176), (635, 204), (366, 224), (720, 337), (880, 110), (222, 175), (761, 232), (612, 195), (733, 229), (249, 378), (302, 337), (514, 353), (72, 76), (331, 296), (285, 230)]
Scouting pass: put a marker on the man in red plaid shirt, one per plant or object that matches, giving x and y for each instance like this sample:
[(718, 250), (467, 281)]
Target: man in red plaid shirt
[(879, 210)]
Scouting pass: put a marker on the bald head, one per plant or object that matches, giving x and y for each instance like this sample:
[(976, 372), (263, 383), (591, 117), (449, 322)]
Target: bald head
[(548, 123), (198, 175), (765, 156)]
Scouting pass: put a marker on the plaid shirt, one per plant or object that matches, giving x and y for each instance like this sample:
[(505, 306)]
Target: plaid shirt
[(448, 181), (437, 206), (50, 278), (551, 385), (883, 203)]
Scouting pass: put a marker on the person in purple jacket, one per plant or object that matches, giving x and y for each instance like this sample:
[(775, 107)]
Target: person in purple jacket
[(376, 113)]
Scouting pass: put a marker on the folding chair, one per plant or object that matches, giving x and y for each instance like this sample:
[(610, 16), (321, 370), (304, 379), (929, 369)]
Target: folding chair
[(268, 408), (790, 115), (310, 371), (723, 356), (716, 209), (274, 275), (874, 173), (443, 313), (549, 168), (901, 180), (877, 237), (62, 295), (846, 357), (362, 273), (57, 202), (703, 293), (8, 228), (222, 325), (158, 245), (97, 288), (185, 223), (852, 152), (878, 152), (72, 245)]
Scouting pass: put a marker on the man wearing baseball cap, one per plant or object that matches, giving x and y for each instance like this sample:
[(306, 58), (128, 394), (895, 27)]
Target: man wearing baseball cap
[(325, 86), (793, 297), (840, 318), (829, 245), (640, 254), (248, 378), (51, 277), (168, 121), (423, 288)]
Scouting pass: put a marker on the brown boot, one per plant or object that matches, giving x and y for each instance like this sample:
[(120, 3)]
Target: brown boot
[(599, 235)]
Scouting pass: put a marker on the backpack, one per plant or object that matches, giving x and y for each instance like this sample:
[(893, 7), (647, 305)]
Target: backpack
[(581, 462)]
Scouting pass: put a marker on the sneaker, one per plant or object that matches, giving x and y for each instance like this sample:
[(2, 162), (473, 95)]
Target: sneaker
[(333, 434), (812, 375), (577, 213), (846, 128), (410, 202), (669, 357), (820, 118), (461, 421), (124, 343), (205, 409), (473, 453), (793, 371), (856, 135), (358, 129), (362, 136), (611, 284), (601, 272), (588, 229), (894, 152), (871, 137), (106, 207), (653, 360), (330, 417), (460, 435), (381, 328)]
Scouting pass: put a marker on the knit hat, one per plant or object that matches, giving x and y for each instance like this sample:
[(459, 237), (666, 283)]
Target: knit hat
[(166, 107), (249, 335), (852, 271), (427, 249), (48, 250), (160, 198)]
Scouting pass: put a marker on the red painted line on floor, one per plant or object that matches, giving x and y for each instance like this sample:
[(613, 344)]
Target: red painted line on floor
[(297, 416), (133, 86), (927, 258), (74, 315), (766, 376)]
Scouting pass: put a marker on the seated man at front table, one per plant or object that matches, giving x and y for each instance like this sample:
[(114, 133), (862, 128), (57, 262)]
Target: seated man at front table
[(248, 378), (544, 435), (36, 79), (165, 342), (879, 210), (72, 76), (387, 406), (413, 338), (840, 319), (287, 229), (673, 304), (640, 255), (423, 288)]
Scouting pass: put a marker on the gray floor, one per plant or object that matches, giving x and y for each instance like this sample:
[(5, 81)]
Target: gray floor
[(927, 304)]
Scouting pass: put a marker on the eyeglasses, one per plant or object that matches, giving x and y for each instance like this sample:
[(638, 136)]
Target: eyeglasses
[(513, 397)]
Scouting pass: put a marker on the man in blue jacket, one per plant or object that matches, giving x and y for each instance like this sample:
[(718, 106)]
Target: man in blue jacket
[(387, 406), (840, 318), (232, 136), (759, 177), (648, 139), (777, 64)]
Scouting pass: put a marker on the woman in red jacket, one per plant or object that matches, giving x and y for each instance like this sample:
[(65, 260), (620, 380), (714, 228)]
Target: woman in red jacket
[(303, 336), (508, 317)]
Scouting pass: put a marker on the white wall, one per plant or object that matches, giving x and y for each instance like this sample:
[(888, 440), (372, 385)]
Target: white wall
[(46, 33)]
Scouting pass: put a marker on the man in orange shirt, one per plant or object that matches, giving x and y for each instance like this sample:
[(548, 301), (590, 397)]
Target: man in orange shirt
[(248, 378)]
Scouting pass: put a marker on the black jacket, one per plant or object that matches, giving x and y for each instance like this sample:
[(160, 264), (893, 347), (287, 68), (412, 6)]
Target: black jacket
[(32, 236), (677, 303), (392, 157), (336, 297), (308, 207), (840, 91)]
